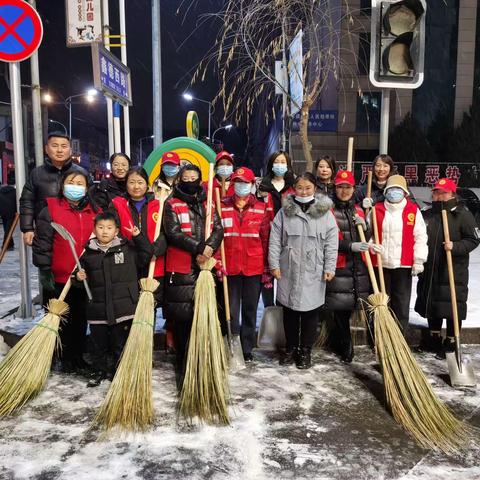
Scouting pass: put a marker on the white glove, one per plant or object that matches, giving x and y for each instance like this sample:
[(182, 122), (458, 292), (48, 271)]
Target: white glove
[(367, 202), (376, 248), (359, 247), (360, 221), (417, 268)]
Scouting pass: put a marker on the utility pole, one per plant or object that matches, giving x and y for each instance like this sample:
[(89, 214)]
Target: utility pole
[(157, 75), (106, 41), (123, 53)]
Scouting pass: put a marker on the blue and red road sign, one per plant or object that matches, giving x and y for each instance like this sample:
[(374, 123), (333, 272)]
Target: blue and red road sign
[(21, 30)]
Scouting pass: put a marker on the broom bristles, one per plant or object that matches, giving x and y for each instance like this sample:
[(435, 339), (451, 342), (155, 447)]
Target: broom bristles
[(409, 395), (205, 387), (25, 369), (129, 401)]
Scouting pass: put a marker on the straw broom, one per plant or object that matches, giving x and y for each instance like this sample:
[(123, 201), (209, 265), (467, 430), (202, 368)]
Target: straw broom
[(129, 401), (409, 395), (205, 386), (24, 371)]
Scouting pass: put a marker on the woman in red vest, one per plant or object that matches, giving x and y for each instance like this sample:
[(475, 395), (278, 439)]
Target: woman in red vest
[(139, 208), (184, 224), (403, 237), (351, 281), (246, 228), (74, 210), (223, 174)]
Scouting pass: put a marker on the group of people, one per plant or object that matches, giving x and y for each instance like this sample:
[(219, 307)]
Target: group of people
[(298, 231)]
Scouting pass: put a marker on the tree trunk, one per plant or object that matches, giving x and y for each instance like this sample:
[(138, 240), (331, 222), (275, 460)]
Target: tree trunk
[(307, 149)]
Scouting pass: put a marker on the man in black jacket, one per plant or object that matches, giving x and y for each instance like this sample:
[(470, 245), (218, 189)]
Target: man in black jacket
[(44, 181), (433, 291)]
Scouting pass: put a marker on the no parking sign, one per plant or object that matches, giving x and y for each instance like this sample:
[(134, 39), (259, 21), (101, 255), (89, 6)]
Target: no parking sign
[(21, 30)]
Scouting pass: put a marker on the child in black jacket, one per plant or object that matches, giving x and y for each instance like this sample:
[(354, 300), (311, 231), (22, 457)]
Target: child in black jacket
[(111, 263)]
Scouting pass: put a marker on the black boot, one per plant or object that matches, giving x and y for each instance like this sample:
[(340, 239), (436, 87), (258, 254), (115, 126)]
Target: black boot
[(96, 378), (430, 342), (347, 353), (448, 346), (304, 358), (289, 357)]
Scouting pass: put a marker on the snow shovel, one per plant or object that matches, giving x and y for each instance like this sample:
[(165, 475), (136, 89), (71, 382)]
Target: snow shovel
[(65, 234), (460, 370), (271, 335), (234, 346)]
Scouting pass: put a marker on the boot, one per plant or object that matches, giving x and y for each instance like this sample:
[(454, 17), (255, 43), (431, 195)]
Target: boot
[(430, 342), (347, 353), (95, 379), (289, 357), (304, 358), (448, 346)]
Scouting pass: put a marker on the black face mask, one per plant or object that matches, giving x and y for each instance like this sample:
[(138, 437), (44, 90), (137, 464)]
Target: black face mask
[(190, 188)]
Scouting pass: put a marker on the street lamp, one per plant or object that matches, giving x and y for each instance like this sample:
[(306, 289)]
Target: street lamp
[(90, 97), (140, 140), (225, 127), (189, 97), (59, 123)]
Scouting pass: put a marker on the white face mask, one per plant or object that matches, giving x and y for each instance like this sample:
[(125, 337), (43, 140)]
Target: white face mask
[(304, 199)]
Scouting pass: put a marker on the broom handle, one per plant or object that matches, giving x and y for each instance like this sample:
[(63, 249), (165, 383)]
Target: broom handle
[(371, 271), (451, 278), (9, 236), (350, 154), (369, 187), (158, 226), (226, 297), (208, 215), (379, 257)]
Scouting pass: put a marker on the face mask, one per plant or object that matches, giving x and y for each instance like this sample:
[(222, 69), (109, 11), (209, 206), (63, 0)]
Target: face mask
[(190, 188), (394, 195), (74, 192), (170, 170), (242, 189), (304, 199), (279, 169), (224, 171)]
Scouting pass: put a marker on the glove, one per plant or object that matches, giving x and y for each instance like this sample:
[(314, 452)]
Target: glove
[(220, 272), (417, 268), (360, 221), (357, 247), (46, 280), (367, 203), (267, 280), (376, 248)]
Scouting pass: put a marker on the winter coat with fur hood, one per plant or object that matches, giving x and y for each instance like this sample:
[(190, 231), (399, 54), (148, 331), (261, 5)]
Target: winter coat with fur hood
[(303, 245)]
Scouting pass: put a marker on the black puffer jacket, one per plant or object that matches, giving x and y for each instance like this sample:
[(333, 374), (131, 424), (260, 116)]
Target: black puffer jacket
[(351, 282), (112, 277), (109, 188), (327, 189), (378, 193), (180, 288), (43, 182), (433, 291)]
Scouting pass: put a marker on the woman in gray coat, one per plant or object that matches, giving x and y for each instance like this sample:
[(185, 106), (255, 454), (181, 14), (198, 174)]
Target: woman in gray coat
[(302, 255)]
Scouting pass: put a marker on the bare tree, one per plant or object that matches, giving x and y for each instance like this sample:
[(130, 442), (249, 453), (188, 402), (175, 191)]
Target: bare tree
[(255, 33)]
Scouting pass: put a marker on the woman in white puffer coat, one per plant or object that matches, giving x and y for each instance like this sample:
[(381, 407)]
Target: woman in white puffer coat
[(403, 236)]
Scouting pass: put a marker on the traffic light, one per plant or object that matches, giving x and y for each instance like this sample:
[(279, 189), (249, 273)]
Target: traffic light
[(397, 47)]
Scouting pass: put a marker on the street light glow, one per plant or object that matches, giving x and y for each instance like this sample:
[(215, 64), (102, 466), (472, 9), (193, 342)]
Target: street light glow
[(91, 92), (90, 98), (47, 97), (188, 96), (228, 127)]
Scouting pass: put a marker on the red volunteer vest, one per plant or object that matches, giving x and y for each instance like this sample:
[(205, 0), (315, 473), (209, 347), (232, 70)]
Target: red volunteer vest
[(243, 245), (125, 215), (178, 260), (409, 215), (80, 226), (342, 256)]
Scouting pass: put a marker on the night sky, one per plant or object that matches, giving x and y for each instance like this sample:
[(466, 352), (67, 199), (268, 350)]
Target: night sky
[(68, 71)]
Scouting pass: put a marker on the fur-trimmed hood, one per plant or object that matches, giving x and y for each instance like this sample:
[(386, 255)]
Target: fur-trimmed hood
[(320, 206)]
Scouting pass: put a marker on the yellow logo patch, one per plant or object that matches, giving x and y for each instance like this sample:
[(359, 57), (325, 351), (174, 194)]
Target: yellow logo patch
[(442, 182), (155, 217), (410, 219), (344, 174)]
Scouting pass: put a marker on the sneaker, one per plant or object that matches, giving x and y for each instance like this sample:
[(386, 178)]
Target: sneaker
[(304, 358), (248, 357), (289, 357)]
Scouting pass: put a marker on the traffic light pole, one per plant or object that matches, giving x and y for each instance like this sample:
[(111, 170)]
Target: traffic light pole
[(384, 121)]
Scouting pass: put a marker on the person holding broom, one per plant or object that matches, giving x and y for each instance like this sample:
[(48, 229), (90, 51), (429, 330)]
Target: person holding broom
[(110, 264), (302, 257), (139, 208), (403, 237), (351, 282), (170, 168), (246, 230), (184, 225), (74, 210), (223, 174), (433, 291)]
